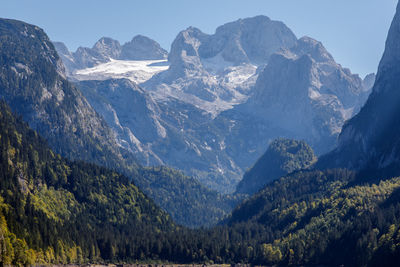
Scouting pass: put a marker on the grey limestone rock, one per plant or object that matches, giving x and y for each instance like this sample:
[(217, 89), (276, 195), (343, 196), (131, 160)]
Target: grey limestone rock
[(142, 48), (108, 48)]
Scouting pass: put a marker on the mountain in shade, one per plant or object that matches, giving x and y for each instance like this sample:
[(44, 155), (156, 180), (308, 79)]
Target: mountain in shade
[(282, 157), (371, 139)]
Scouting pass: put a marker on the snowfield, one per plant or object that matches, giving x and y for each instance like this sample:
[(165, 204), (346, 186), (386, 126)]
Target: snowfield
[(136, 71)]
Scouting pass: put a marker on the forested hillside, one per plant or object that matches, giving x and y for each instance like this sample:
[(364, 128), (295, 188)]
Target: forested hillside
[(55, 210), (322, 218)]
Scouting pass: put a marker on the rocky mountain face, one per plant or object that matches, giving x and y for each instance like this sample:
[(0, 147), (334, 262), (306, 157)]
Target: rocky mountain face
[(33, 83), (370, 140), (214, 72), (282, 157), (171, 133), (142, 48), (107, 48), (66, 57), (130, 112), (224, 97), (302, 93), (184, 134)]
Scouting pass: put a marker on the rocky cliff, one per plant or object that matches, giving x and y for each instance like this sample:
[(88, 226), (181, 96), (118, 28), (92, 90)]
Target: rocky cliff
[(371, 139)]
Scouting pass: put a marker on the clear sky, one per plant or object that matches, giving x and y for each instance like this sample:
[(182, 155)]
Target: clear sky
[(353, 31)]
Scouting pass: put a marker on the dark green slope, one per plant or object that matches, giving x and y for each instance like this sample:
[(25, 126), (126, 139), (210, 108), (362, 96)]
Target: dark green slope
[(32, 82), (57, 211), (189, 202), (67, 211), (283, 156), (322, 218)]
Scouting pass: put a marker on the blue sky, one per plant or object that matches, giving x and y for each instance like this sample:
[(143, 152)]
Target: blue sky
[(354, 31)]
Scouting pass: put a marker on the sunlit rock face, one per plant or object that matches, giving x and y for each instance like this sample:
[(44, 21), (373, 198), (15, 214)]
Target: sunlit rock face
[(215, 72), (303, 94)]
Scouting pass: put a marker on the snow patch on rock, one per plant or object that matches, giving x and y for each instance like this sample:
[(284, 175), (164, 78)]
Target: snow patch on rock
[(137, 71)]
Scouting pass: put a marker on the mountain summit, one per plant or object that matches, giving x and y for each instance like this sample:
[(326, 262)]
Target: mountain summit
[(142, 48), (107, 47), (250, 40), (219, 69)]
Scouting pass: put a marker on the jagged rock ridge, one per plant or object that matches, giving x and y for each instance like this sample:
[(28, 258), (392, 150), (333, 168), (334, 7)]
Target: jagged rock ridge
[(107, 53)]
